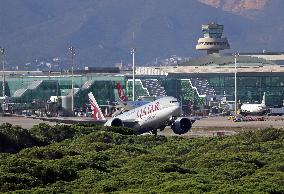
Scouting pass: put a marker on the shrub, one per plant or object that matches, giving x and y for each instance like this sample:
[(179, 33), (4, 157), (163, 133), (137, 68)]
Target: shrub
[(14, 138)]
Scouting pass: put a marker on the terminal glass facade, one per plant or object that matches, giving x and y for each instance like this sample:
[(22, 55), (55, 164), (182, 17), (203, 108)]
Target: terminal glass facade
[(139, 90), (250, 87)]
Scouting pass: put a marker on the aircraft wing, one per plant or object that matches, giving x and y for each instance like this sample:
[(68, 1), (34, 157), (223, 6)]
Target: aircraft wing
[(123, 106)]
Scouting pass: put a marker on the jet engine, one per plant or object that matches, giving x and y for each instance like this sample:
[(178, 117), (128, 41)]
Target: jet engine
[(117, 123), (181, 126)]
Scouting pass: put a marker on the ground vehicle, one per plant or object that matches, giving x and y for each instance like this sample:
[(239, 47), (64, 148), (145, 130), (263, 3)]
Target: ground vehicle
[(276, 111)]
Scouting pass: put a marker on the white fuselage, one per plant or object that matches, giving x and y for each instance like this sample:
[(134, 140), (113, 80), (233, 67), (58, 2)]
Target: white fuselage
[(253, 108), (151, 115)]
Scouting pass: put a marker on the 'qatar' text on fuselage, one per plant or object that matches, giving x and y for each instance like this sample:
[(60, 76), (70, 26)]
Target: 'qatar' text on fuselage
[(148, 109)]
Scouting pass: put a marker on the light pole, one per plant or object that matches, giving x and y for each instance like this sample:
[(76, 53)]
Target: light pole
[(72, 51), (2, 50), (133, 51), (49, 67), (235, 83)]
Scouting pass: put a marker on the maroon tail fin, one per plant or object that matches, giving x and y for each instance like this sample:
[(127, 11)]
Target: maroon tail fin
[(97, 113), (121, 95)]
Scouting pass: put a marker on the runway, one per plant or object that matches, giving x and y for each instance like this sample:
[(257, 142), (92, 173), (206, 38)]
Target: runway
[(24, 122), (210, 126), (219, 126)]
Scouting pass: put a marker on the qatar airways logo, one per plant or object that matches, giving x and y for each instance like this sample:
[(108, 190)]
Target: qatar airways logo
[(148, 109)]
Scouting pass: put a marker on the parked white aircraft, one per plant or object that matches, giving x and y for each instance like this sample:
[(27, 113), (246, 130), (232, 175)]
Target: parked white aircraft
[(149, 117), (254, 108)]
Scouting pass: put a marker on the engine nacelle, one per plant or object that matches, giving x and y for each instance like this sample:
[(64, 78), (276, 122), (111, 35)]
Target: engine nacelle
[(117, 122), (181, 126)]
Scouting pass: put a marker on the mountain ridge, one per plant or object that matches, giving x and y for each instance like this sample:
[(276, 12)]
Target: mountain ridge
[(240, 7), (103, 32)]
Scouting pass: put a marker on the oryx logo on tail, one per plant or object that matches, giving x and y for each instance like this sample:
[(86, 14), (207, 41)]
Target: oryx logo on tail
[(97, 113), (121, 95)]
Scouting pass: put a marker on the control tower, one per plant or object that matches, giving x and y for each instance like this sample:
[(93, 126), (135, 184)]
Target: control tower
[(213, 39)]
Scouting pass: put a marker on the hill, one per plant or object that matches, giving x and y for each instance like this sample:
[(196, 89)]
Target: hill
[(104, 31)]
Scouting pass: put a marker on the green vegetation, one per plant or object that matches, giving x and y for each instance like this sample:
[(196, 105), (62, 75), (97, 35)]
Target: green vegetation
[(92, 159), (190, 94)]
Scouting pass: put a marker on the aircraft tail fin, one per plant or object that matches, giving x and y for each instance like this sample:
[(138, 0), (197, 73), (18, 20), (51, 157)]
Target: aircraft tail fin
[(121, 95), (97, 113), (263, 99)]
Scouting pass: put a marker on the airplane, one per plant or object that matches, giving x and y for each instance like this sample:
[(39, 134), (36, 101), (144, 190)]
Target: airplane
[(254, 108), (149, 117)]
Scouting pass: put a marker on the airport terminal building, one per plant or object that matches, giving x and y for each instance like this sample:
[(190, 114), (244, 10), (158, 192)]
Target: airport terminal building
[(214, 74), (195, 82)]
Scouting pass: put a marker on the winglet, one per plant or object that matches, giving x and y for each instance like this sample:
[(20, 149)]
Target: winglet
[(97, 113), (263, 98), (121, 95)]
